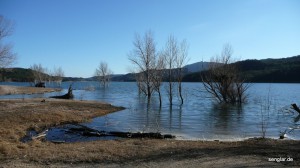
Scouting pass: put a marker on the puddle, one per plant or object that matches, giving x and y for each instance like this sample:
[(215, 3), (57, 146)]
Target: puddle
[(69, 133)]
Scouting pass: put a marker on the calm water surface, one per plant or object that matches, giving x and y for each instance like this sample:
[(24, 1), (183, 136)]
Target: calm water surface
[(198, 118)]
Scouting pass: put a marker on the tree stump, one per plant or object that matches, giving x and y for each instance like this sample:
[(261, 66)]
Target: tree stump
[(295, 107), (68, 95)]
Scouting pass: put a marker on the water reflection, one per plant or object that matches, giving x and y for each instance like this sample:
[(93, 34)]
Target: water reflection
[(226, 119)]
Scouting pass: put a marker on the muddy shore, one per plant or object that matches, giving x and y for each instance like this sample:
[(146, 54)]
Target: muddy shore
[(18, 116)]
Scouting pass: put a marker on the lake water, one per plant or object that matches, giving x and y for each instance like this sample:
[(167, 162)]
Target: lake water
[(199, 118)]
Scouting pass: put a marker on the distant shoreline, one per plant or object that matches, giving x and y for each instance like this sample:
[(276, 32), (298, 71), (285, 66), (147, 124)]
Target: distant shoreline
[(281, 70), (9, 90)]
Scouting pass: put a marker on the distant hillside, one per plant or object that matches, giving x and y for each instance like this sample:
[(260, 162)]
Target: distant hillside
[(124, 78), (16, 75), (283, 70), (26, 75), (66, 79), (196, 67)]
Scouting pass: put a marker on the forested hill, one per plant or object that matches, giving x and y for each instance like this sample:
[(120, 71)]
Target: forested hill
[(16, 75), (283, 70), (27, 75), (272, 70)]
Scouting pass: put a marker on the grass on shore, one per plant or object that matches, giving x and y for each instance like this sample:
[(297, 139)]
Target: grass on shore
[(18, 116)]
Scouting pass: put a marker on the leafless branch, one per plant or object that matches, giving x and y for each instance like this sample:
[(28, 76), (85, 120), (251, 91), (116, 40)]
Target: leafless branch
[(222, 80), (144, 56), (7, 57), (103, 73)]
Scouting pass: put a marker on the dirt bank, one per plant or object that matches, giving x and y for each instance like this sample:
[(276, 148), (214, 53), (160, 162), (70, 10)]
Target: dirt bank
[(17, 116)]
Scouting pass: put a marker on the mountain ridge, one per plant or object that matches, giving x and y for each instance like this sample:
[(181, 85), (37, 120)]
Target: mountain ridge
[(278, 70), (270, 70)]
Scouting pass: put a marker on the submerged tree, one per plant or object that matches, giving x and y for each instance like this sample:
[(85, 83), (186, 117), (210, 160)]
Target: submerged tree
[(181, 61), (175, 56), (143, 57), (158, 77), (39, 73), (42, 75), (7, 57), (103, 73), (170, 53), (57, 75), (222, 79)]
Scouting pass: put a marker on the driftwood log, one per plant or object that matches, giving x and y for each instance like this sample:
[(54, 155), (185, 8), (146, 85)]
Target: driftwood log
[(86, 131), (295, 107), (68, 95)]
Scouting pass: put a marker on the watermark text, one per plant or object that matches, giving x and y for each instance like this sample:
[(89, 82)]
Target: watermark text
[(281, 159)]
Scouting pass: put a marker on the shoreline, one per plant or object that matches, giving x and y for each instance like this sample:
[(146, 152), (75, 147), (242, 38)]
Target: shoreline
[(19, 115), (12, 90)]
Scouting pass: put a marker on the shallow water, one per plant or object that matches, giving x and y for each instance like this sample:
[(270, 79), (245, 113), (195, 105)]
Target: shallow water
[(198, 118)]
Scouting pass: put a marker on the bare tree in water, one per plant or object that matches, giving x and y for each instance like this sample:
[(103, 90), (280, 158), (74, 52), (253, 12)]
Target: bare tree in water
[(222, 79), (58, 75), (170, 53), (103, 73), (180, 62), (39, 73), (158, 77), (143, 57), (175, 56)]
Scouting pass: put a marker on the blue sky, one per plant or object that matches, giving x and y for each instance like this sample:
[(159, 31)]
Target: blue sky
[(77, 34)]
